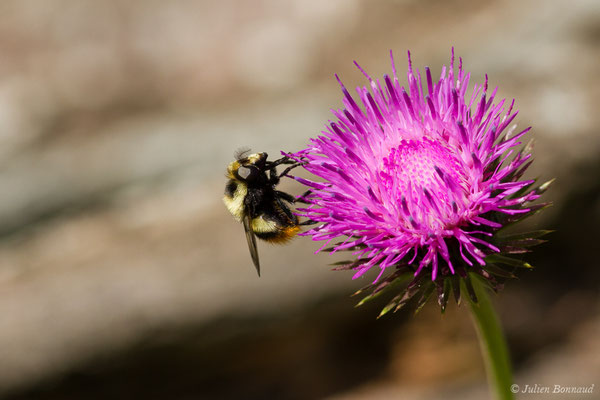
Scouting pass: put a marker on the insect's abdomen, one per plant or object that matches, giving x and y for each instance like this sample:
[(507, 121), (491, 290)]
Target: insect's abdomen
[(279, 231), (280, 235)]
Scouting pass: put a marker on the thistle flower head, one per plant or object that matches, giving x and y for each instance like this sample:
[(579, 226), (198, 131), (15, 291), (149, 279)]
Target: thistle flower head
[(419, 180)]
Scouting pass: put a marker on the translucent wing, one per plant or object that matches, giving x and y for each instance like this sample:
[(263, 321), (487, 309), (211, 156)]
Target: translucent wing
[(251, 242)]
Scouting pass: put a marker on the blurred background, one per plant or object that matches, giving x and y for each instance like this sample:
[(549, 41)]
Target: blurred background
[(123, 276)]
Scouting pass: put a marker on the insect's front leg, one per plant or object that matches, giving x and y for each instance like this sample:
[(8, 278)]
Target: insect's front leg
[(291, 167), (273, 177), (282, 160)]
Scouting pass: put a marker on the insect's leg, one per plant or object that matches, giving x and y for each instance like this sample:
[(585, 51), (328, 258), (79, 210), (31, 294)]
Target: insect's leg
[(291, 199), (286, 196), (285, 209), (282, 160), (273, 177), (301, 198), (291, 167), (308, 222)]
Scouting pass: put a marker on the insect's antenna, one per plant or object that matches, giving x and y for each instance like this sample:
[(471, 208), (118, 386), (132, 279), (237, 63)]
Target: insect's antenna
[(241, 153)]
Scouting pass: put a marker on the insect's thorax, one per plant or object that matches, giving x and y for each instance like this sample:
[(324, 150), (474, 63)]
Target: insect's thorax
[(258, 197)]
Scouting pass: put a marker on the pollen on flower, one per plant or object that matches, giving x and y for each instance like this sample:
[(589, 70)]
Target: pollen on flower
[(418, 178), (430, 175)]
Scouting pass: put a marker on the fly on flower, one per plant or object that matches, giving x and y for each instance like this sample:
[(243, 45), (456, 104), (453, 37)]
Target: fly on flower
[(419, 180)]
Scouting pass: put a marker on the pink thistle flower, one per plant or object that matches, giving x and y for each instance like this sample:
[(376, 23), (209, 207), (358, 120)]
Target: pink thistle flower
[(419, 180)]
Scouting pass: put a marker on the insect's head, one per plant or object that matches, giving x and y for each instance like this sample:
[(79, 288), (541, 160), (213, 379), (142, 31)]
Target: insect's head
[(251, 167)]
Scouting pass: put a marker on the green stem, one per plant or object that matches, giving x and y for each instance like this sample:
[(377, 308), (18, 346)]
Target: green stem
[(492, 342)]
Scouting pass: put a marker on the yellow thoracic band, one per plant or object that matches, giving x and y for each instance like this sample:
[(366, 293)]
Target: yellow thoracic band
[(235, 204)]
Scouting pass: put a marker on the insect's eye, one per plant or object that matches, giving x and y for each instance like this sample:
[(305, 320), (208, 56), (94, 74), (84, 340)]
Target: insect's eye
[(248, 173)]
